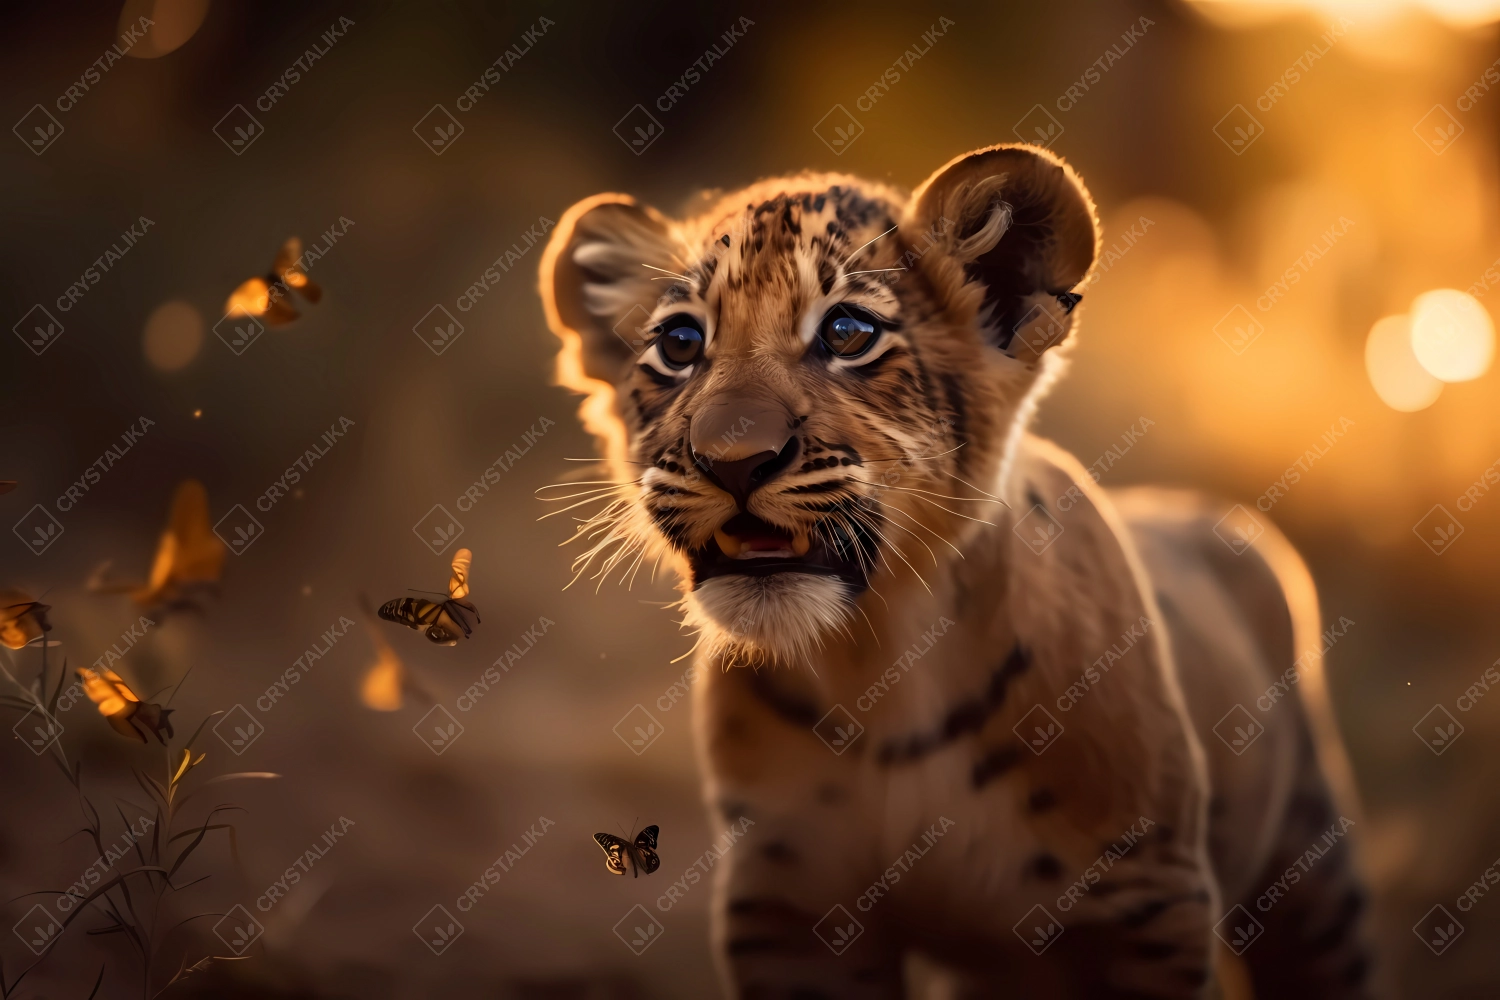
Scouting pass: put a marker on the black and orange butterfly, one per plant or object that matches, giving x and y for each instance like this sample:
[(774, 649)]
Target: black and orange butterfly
[(270, 298), (641, 854), (442, 622)]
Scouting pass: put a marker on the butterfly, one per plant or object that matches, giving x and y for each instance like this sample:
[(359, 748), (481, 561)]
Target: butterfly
[(130, 717), (22, 620), (441, 622), (188, 555), (270, 298), (641, 854)]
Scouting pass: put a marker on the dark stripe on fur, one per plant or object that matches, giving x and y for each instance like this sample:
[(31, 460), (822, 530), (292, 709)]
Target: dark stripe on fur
[(967, 717)]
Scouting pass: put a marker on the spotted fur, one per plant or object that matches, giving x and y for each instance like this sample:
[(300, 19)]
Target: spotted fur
[(961, 575)]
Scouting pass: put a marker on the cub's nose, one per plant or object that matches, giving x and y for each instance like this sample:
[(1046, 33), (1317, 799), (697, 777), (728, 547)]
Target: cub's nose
[(740, 444)]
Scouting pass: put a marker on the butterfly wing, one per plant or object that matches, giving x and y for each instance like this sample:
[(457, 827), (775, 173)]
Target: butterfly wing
[(616, 852), (6, 485), (116, 702), (287, 270), (251, 298), (286, 257), (458, 583), (22, 620), (413, 612), (645, 849)]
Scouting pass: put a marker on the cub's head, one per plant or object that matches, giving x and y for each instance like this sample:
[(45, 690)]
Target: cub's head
[(808, 391)]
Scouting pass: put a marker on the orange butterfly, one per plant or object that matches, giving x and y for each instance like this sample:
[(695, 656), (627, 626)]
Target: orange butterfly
[(270, 298), (189, 555), (130, 717)]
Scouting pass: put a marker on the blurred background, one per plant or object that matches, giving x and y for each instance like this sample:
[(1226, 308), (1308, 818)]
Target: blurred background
[(1280, 187)]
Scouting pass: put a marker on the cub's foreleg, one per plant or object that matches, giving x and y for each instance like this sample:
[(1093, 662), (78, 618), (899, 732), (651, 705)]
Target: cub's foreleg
[(800, 855)]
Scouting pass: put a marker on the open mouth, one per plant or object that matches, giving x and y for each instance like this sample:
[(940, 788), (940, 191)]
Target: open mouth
[(747, 546)]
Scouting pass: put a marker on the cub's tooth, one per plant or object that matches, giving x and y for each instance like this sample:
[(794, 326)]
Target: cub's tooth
[(801, 543), (728, 544)]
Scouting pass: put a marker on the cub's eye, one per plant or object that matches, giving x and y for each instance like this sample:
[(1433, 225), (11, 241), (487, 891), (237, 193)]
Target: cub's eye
[(680, 341), (849, 331)]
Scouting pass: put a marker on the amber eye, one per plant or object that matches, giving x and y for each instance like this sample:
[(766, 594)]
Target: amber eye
[(849, 331), (680, 341)]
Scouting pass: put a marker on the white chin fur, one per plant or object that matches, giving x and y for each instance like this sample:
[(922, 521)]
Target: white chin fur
[(777, 618)]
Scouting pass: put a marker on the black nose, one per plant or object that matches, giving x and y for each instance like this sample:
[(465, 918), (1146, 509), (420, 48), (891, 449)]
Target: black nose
[(741, 477)]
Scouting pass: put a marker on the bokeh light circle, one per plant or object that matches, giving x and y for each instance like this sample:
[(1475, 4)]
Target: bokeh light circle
[(173, 337), (1399, 379), (1452, 335)]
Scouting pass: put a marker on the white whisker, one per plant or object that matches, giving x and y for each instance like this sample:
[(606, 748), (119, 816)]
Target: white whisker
[(862, 246)]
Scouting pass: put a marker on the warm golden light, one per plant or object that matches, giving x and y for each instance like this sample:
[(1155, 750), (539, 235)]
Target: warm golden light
[(1249, 12), (169, 24), (1398, 378), (174, 335), (1452, 334)]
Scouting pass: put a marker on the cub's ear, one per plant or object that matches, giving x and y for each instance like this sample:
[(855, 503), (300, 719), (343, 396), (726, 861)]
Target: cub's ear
[(1012, 232), (596, 284)]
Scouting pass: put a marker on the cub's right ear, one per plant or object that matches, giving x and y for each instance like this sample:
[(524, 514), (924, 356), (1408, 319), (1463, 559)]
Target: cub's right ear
[(596, 284)]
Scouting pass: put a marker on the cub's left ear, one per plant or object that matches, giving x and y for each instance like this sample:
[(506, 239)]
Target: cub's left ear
[(1012, 232)]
